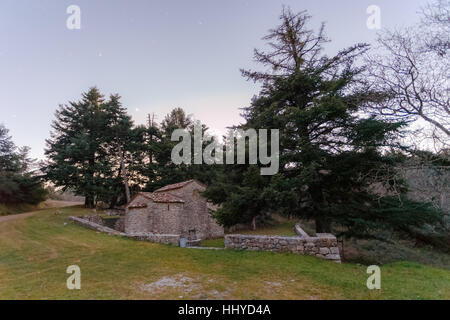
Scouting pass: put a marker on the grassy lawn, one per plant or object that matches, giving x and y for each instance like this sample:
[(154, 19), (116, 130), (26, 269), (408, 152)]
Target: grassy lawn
[(35, 252), (284, 228), (216, 243)]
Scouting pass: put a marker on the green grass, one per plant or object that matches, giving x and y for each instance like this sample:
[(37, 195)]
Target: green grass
[(217, 243), (35, 252), (283, 228)]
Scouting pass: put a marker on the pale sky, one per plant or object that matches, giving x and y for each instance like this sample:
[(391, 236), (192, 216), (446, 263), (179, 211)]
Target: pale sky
[(156, 54)]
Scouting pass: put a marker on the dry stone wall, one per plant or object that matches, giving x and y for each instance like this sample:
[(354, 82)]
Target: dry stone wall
[(323, 245), (115, 212), (173, 239), (93, 223), (88, 222)]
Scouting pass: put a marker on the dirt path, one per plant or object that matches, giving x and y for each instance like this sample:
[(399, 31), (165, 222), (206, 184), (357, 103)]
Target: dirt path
[(49, 204)]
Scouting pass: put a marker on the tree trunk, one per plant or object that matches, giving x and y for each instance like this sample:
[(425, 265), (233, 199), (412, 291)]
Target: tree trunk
[(124, 172), (89, 201), (115, 198), (90, 196), (254, 223), (323, 225)]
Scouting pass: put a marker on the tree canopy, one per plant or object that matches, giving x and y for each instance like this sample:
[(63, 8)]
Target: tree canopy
[(331, 152), (18, 183)]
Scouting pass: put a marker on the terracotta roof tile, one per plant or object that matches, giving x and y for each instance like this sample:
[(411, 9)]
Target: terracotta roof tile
[(174, 186), (162, 197)]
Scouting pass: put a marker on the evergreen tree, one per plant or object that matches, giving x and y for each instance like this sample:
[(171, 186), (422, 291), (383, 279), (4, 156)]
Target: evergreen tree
[(161, 170), (9, 159), (330, 154), (88, 140), (18, 184)]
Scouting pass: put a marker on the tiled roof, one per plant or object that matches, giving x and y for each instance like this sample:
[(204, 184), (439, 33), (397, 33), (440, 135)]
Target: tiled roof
[(174, 186), (161, 197)]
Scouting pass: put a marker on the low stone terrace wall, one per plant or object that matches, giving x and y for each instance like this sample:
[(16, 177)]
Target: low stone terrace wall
[(173, 239), (323, 245), (94, 223), (115, 212)]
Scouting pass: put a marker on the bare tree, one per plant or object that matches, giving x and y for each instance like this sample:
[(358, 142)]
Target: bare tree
[(411, 70), (436, 26)]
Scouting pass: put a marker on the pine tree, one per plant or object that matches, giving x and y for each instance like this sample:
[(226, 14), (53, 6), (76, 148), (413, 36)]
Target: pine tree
[(18, 184), (330, 154), (161, 170), (9, 160), (88, 141)]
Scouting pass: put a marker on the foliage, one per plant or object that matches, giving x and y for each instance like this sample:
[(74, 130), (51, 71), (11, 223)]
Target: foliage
[(330, 154), (95, 145), (84, 148), (18, 184)]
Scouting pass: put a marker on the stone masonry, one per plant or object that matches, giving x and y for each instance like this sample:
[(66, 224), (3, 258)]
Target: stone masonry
[(174, 209), (323, 245), (94, 223)]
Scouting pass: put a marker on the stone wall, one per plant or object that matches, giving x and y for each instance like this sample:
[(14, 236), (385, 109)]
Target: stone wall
[(93, 223), (323, 245), (191, 219), (87, 222), (155, 218), (173, 239), (120, 224), (195, 214), (165, 218), (115, 212)]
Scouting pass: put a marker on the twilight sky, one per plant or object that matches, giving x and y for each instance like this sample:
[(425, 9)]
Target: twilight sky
[(156, 54)]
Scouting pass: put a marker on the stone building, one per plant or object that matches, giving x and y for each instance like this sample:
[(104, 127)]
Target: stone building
[(174, 209)]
